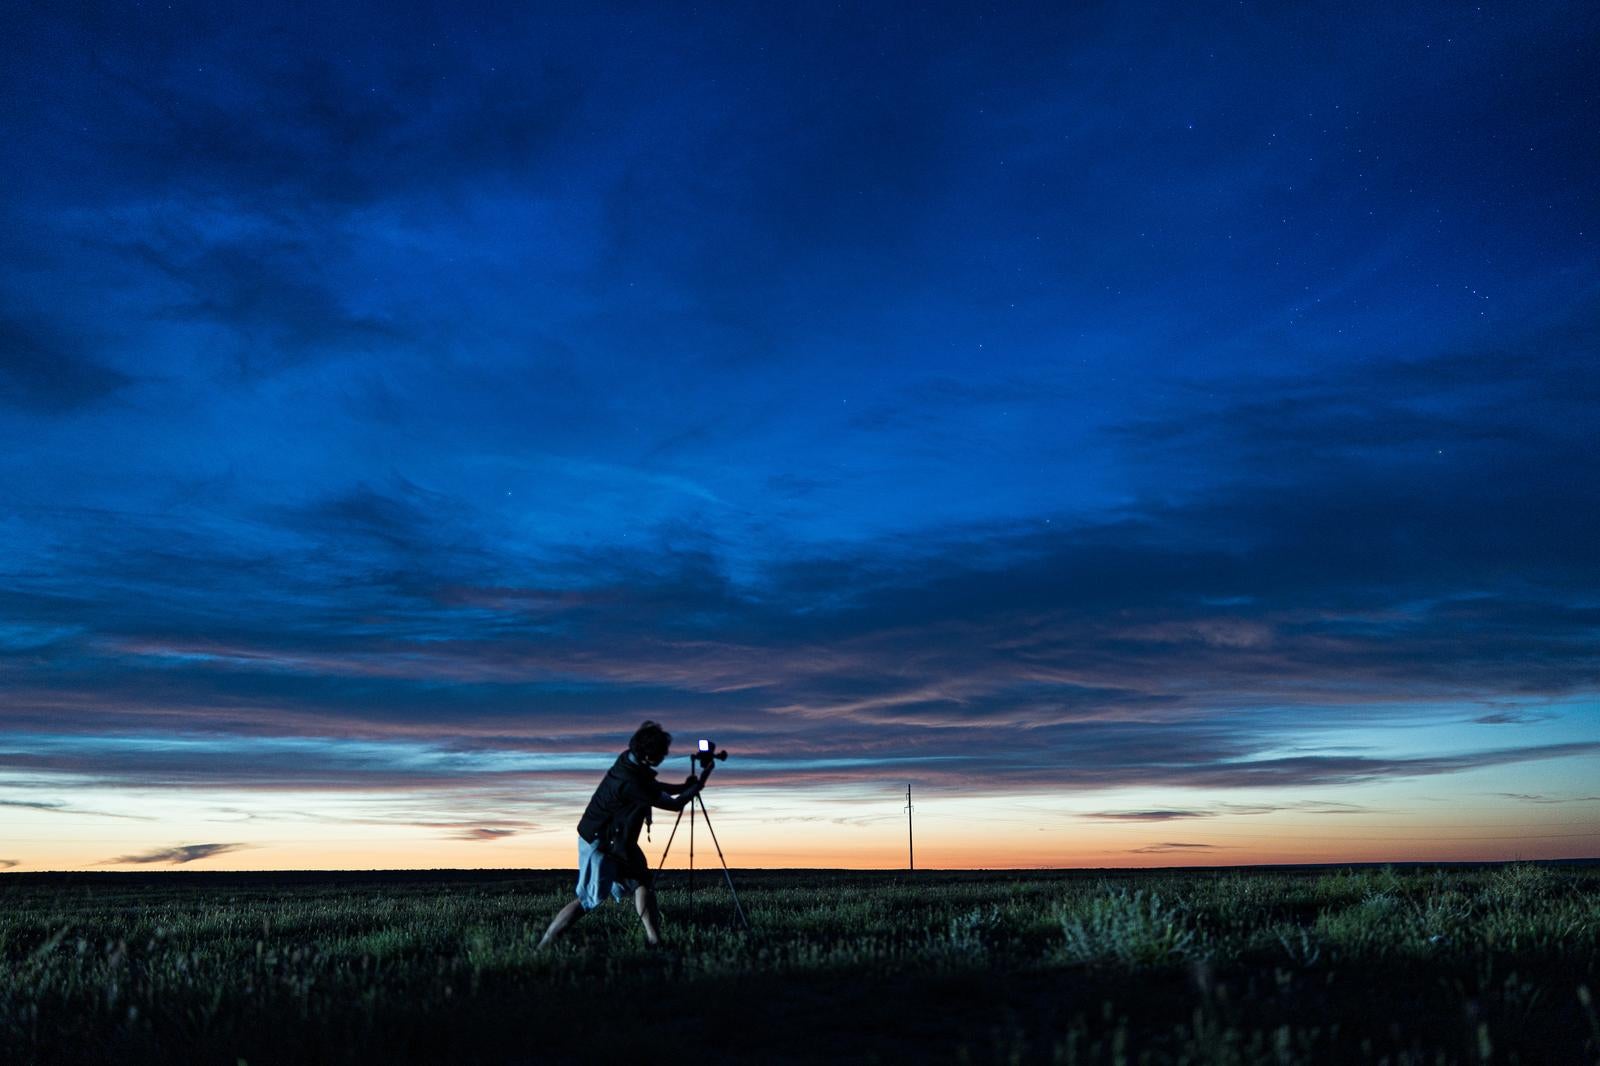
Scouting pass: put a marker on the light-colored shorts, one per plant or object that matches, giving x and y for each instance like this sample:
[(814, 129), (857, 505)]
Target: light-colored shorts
[(600, 875)]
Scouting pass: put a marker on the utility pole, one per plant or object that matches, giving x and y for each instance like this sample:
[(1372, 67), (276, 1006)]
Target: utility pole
[(911, 845)]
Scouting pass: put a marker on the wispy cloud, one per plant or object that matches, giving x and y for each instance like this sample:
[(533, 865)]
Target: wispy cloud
[(44, 370), (6, 864), (482, 833), (1156, 849), (177, 856), (33, 805), (64, 808), (1510, 718), (1228, 809)]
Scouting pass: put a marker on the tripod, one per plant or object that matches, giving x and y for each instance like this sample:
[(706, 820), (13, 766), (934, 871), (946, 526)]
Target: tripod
[(725, 872)]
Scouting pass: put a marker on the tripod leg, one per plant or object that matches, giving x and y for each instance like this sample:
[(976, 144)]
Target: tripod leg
[(668, 850), (725, 871)]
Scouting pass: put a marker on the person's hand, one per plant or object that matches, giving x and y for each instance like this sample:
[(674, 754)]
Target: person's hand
[(705, 772)]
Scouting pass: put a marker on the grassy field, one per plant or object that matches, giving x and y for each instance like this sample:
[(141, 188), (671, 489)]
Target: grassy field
[(1499, 964)]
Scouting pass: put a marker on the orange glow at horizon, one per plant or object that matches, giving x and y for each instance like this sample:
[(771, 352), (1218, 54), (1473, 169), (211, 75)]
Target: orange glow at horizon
[(761, 827)]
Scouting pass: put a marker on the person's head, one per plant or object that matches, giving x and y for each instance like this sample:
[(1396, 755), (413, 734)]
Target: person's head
[(649, 744)]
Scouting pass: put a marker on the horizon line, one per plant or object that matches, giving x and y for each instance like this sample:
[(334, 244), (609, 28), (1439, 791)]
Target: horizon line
[(568, 871)]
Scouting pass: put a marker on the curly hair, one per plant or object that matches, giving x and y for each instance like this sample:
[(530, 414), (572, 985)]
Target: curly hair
[(650, 742)]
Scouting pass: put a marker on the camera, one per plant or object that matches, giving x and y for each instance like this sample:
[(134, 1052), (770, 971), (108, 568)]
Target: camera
[(706, 751)]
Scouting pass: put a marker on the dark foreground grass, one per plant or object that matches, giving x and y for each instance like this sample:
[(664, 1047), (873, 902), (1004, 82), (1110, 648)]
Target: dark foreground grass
[(1417, 966)]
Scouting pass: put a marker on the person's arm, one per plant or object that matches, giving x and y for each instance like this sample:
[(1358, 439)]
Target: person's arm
[(666, 800), (695, 781)]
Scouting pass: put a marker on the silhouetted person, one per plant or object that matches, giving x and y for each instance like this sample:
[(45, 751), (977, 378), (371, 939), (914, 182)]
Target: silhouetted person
[(610, 861)]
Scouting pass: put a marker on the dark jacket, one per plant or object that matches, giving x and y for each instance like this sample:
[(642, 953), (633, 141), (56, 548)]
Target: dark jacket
[(620, 807)]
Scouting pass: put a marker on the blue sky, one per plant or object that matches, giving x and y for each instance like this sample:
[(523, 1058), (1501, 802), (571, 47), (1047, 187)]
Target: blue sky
[(1030, 403)]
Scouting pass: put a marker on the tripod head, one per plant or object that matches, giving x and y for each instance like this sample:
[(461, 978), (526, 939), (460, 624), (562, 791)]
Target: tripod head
[(708, 751)]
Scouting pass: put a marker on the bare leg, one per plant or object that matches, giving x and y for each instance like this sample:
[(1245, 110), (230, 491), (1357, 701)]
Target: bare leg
[(644, 901), (569, 914)]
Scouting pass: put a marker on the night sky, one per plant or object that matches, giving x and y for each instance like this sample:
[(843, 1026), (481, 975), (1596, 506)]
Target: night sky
[(1161, 434)]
